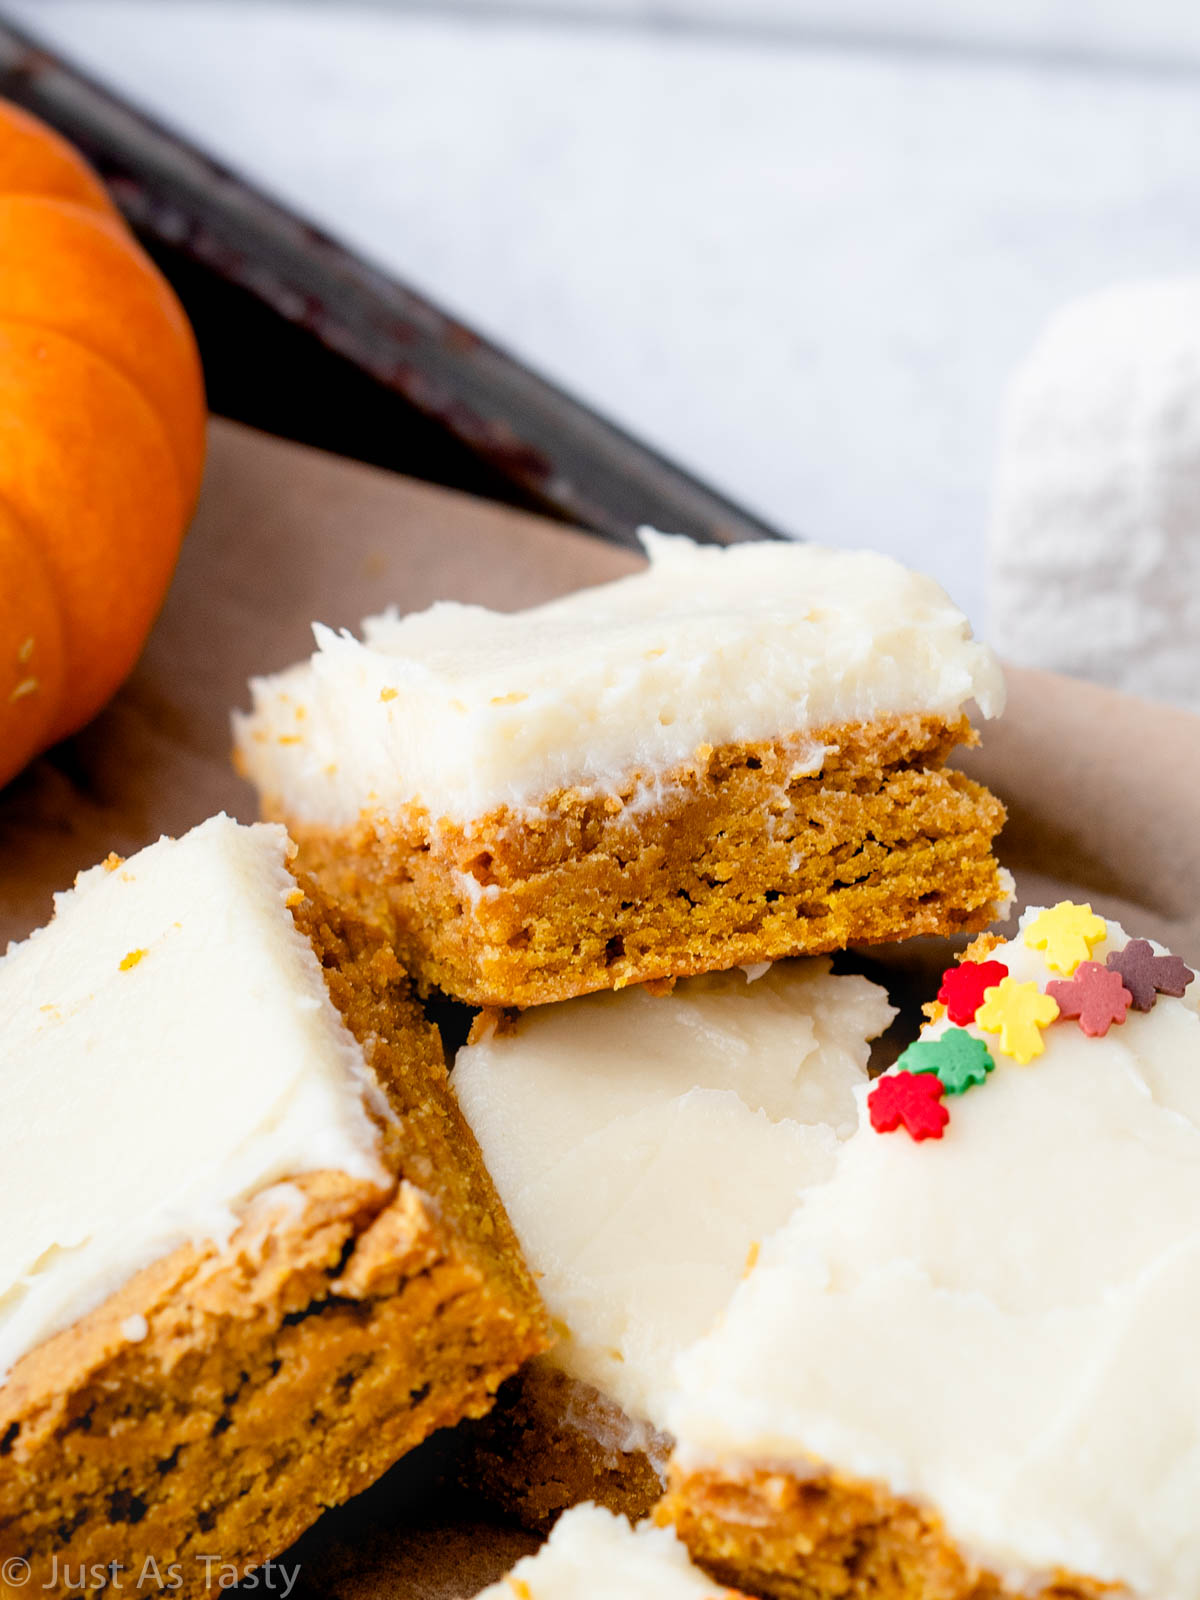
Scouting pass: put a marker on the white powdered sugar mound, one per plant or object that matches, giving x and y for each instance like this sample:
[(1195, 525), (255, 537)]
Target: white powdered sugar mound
[(1095, 538)]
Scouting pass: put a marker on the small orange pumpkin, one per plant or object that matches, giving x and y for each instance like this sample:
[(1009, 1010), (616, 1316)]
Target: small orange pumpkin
[(102, 420)]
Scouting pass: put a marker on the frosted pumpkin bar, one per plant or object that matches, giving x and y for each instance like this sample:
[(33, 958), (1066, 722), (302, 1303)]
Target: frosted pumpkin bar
[(593, 1553), (732, 756), (643, 1145), (250, 1255), (967, 1365)]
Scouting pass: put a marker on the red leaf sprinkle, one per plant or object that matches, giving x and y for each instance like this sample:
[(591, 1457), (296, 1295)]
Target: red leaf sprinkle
[(911, 1098), (963, 986)]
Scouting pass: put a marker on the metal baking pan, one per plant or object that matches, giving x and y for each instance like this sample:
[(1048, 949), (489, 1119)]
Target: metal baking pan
[(305, 339)]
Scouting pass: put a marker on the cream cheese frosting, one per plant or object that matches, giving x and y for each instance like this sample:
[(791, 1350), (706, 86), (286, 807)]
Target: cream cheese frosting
[(462, 710), (169, 1053), (592, 1552), (643, 1144), (999, 1322)]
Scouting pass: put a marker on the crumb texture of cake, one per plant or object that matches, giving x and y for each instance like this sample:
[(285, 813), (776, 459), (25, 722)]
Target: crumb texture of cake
[(735, 755), (552, 1441), (251, 1254), (594, 1552), (826, 1536), (643, 1146), (965, 1365)]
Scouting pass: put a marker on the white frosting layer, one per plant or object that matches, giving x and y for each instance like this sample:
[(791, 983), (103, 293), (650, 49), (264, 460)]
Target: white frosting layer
[(463, 709), (168, 1051), (1001, 1322), (593, 1553), (642, 1145)]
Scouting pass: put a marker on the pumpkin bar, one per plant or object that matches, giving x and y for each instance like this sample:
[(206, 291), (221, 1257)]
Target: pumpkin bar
[(250, 1254), (732, 756), (967, 1364), (592, 1552), (643, 1145)]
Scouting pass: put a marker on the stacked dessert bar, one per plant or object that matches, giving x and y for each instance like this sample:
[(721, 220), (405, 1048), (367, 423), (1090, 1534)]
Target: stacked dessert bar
[(734, 756), (250, 1252), (645, 1146), (630, 826), (788, 1328), (965, 1366)]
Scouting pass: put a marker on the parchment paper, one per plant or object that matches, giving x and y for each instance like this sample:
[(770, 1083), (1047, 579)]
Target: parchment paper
[(1101, 789)]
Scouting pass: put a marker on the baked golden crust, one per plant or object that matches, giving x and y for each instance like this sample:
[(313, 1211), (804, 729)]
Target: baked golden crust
[(737, 857), (830, 1538), (219, 1400), (551, 1442)]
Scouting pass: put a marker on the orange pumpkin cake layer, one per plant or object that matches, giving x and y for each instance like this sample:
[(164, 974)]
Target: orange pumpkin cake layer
[(310, 1297), (734, 756), (738, 862), (828, 1537), (551, 1442)]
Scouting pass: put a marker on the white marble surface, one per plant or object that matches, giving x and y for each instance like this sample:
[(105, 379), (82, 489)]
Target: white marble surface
[(1165, 31), (804, 271)]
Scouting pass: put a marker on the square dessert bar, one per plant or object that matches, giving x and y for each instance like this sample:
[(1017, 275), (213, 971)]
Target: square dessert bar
[(250, 1253), (644, 1146), (735, 755), (966, 1366)]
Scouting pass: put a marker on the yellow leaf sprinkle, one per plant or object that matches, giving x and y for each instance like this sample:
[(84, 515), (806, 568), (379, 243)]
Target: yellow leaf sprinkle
[(1068, 933), (1017, 1012), (388, 694), (131, 960)]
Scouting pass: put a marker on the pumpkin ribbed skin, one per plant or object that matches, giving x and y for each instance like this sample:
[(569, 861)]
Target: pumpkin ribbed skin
[(67, 268), (33, 664), (36, 160), (101, 441)]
